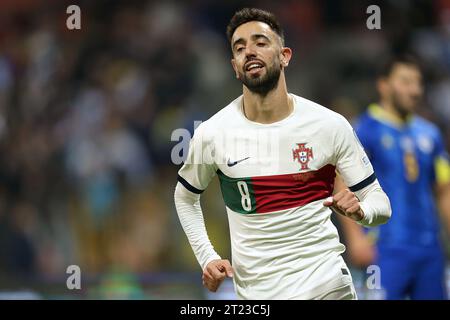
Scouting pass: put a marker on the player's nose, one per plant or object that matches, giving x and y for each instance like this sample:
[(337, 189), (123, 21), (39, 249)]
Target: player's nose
[(416, 89), (250, 52)]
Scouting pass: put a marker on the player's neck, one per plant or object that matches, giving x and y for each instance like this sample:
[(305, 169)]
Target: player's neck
[(394, 112), (272, 107)]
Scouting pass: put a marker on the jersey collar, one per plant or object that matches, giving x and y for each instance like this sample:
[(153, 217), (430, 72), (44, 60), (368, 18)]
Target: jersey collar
[(377, 112)]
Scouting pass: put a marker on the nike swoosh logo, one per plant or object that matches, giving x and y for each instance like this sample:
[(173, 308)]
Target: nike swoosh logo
[(230, 164)]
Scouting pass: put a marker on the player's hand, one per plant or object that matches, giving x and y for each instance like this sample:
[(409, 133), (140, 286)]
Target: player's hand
[(346, 203), (215, 272)]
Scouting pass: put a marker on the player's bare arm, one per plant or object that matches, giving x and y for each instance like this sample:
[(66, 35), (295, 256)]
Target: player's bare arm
[(443, 197)]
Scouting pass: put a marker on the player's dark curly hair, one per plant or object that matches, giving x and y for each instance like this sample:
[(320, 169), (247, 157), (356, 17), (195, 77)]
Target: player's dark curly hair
[(253, 14)]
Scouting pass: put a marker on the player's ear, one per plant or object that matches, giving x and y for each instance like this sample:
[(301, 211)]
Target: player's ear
[(285, 56), (233, 63), (382, 86)]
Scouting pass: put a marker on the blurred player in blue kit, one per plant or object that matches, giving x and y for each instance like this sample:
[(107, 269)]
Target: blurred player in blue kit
[(412, 165)]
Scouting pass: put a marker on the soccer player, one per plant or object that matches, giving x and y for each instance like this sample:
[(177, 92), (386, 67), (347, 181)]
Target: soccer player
[(276, 154), (412, 165)]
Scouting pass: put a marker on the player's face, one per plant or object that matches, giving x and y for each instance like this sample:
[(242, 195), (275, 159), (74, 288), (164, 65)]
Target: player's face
[(404, 88), (258, 56)]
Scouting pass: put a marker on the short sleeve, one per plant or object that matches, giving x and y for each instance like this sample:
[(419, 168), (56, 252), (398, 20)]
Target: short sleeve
[(441, 162), (199, 167), (352, 162), (364, 135)]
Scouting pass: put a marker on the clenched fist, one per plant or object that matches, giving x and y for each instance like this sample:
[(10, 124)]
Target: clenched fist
[(346, 203), (215, 272)]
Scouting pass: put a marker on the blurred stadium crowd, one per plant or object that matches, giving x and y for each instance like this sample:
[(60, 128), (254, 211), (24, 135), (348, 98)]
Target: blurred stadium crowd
[(86, 118)]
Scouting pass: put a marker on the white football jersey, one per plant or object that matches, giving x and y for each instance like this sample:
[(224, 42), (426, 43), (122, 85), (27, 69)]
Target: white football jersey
[(274, 179)]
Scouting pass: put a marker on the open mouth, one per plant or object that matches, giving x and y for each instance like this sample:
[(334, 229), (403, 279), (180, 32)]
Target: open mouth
[(253, 67)]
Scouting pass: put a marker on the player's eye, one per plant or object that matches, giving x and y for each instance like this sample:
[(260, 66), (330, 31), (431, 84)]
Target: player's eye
[(261, 44), (239, 49)]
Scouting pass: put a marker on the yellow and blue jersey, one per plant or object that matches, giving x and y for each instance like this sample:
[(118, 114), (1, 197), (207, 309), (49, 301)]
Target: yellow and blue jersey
[(409, 159)]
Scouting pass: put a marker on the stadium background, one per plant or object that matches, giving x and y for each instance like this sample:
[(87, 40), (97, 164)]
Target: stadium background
[(86, 118)]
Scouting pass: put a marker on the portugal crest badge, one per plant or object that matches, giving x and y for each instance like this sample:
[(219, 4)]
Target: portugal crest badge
[(302, 155)]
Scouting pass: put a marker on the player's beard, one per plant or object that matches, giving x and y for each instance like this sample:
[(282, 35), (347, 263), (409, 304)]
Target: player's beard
[(262, 85), (401, 106)]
